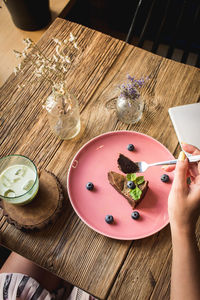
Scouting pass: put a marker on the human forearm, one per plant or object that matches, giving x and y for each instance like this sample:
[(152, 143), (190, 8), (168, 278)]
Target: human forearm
[(185, 277), (184, 210)]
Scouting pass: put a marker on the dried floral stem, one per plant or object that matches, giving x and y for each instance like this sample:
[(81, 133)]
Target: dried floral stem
[(63, 106), (53, 69)]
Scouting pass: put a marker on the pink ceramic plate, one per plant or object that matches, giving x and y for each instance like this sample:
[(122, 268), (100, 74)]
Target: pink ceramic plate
[(92, 163)]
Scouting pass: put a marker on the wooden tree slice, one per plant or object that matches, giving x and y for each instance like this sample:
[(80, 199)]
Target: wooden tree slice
[(43, 209)]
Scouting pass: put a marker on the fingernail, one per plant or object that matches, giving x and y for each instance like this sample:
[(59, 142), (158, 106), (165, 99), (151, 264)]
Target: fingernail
[(164, 167), (181, 156)]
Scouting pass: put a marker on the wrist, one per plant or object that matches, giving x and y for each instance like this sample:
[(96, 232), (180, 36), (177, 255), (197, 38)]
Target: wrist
[(185, 231)]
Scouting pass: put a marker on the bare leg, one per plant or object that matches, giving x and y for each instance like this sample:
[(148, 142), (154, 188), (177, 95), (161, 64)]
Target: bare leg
[(15, 263)]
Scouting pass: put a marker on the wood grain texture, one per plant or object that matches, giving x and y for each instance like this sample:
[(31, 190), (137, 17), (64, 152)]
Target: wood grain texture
[(106, 268), (42, 210)]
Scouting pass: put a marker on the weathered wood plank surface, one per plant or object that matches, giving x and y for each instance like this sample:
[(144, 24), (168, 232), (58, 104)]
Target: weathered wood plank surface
[(25, 130), (104, 267)]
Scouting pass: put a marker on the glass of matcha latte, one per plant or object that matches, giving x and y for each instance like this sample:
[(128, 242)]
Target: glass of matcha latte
[(19, 182)]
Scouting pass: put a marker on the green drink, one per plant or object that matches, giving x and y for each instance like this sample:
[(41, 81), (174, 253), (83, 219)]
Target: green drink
[(19, 181)]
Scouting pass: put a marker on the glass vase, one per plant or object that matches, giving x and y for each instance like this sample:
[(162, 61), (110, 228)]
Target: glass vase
[(129, 110), (63, 115)]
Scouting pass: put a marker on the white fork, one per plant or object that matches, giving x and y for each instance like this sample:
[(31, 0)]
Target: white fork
[(143, 166)]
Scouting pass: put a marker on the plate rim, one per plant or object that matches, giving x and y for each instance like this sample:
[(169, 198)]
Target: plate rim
[(68, 173)]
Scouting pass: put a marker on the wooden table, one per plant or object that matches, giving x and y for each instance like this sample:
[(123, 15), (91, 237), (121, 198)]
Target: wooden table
[(106, 268)]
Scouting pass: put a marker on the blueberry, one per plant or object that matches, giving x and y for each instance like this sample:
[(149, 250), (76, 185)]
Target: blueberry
[(109, 219), (164, 178), (131, 185), (130, 147), (90, 186), (135, 215)]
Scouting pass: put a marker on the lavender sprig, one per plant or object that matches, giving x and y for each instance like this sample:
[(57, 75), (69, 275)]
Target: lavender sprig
[(131, 88)]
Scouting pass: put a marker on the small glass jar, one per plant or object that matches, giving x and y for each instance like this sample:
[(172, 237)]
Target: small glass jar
[(129, 110), (63, 115)]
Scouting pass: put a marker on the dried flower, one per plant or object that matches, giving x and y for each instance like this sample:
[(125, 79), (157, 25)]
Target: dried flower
[(131, 89), (57, 41), (72, 37), (50, 104), (52, 69), (17, 54), (21, 86)]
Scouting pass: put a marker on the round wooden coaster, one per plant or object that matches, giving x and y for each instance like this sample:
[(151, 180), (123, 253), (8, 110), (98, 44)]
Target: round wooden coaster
[(43, 209)]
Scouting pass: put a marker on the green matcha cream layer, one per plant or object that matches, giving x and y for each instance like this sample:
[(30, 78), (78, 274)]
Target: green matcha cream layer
[(18, 184)]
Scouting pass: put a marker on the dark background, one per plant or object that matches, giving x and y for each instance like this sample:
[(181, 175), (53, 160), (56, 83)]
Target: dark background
[(114, 18)]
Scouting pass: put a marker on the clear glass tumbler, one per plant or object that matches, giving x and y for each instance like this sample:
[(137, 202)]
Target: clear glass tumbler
[(19, 182)]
